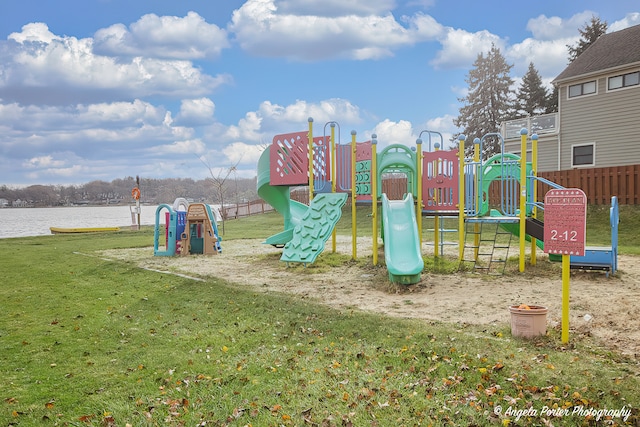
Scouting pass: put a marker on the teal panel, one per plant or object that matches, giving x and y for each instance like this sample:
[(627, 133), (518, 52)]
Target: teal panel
[(316, 225)]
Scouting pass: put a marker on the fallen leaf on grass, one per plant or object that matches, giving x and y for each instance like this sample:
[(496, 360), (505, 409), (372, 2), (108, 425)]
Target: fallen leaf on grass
[(108, 421)]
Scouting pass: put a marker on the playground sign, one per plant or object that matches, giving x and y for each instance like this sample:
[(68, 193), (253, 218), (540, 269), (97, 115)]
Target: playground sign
[(565, 221)]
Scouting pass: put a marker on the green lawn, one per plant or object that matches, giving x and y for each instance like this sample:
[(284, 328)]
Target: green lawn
[(92, 341)]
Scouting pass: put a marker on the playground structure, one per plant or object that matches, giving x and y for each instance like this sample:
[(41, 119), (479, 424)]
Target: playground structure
[(192, 230), (439, 184)]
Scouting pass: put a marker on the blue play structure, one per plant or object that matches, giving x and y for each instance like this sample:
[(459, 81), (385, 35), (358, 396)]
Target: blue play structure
[(602, 257), (516, 188), (190, 231)]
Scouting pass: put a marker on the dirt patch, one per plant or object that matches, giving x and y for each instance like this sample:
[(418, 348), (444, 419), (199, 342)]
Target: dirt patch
[(600, 306)]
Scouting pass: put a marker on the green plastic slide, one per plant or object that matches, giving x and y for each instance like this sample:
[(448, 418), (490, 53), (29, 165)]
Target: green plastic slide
[(401, 240), (278, 197)]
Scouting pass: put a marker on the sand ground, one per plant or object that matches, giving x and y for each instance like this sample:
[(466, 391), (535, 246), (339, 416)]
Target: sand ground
[(600, 306)]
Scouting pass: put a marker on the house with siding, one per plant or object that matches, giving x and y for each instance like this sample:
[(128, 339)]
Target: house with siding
[(598, 119)]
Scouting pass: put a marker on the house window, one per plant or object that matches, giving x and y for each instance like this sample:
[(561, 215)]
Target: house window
[(580, 89), (624, 80), (583, 155)]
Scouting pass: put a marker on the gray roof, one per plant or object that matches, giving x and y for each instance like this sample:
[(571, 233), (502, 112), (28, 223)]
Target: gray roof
[(611, 50)]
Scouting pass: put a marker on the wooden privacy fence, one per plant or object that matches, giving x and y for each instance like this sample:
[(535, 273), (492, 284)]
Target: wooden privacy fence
[(599, 184)]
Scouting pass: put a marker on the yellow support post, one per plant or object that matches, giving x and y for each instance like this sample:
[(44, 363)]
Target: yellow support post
[(461, 140), (523, 195), (534, 190), (333, 177), (374, 195), (310, 138), (419, 189), (354, 251)]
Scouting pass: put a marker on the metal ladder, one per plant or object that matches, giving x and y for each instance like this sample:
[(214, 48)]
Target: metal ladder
[(488, 250)]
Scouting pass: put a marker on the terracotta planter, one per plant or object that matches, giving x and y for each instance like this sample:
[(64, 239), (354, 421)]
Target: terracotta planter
[(528, 322)]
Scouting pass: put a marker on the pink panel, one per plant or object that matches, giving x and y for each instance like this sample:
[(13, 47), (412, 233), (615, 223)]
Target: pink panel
[(363, 151), (440, 180), (343, 167), (289, 159)]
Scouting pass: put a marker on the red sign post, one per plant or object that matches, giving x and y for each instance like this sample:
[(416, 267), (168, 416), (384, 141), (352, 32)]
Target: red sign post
[(565, 232), (565, 221)]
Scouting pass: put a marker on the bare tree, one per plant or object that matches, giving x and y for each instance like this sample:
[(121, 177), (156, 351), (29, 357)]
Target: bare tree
[(219, 182)]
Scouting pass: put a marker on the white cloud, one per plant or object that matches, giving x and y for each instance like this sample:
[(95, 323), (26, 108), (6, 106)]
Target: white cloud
[(629, 20), (297, 114), (442, 125), (404, 132), (549, 57), (242, 153), (98, 131), (192, 146), (195, 112), (36, 119), (460, 48), (552, 28), (547, 49), (262, 29), (41, 67), (248, 128), (173, 37), (389, 132), (42, 162), (37, 32), (128, 113), (333, 7)]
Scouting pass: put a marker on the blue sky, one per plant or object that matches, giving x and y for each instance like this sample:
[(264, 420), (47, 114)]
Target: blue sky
[(105, 89)]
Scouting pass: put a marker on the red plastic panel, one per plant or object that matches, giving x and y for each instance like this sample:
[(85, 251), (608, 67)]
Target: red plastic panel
[(363, 151), (290, 159), (440, 180)]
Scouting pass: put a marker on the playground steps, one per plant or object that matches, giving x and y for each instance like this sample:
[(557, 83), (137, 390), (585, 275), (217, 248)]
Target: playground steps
[(316, 226), (488, 247)]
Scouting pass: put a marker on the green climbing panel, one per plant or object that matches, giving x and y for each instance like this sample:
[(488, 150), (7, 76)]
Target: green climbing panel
[(315, 228)]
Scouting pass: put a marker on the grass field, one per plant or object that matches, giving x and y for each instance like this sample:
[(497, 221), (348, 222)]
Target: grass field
[(91, 341)]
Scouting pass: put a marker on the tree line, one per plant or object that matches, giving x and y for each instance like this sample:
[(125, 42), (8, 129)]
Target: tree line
[(118, 191)]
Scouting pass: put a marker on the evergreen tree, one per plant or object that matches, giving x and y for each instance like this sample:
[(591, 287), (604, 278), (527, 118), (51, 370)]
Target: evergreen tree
[(489, 101), (531, 95), (591, 31), (551, 106)]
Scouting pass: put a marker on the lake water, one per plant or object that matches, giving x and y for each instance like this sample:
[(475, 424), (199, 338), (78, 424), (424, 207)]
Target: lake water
[(18, 222)]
